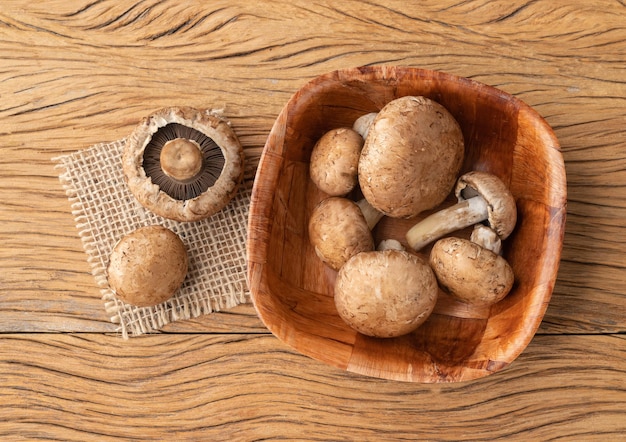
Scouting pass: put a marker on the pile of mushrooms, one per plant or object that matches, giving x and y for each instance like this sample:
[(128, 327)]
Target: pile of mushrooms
[(405, 160)]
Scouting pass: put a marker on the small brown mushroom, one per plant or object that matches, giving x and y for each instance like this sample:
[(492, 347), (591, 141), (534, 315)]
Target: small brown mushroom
[(334, 161), (411, 157), (147, 266), (385, 293), (182, 163), (482, 197), (339, 228), (469, 270)]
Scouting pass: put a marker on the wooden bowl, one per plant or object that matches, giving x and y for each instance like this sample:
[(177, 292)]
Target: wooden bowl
[(293, 291)]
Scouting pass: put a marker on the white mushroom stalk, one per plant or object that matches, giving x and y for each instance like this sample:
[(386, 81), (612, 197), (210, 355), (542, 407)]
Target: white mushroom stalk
[(372, 216), (362, 124), (451, 219), (487, 238), (390, 244), (482, 197), (181, 159)]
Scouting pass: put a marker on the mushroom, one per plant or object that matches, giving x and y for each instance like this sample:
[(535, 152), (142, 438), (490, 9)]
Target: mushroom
[(183, 163), (147, 266), (334, 161), (469, 270), (411, 157), (482, 197), (385, 293), (339, 228)]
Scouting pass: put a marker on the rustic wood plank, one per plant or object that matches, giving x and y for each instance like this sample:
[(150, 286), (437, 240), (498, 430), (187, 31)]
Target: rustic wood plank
[(76, 73), (250, 387)]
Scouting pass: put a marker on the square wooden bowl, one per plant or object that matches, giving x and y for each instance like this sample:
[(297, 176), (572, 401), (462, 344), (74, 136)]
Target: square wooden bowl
[(293, 291)]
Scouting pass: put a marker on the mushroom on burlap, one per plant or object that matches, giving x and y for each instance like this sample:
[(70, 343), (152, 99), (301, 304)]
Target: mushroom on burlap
[(411, 157), (183, 163), (147, 266)]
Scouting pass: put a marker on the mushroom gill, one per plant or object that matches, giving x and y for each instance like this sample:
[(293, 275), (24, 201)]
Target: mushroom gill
[(183, 187)]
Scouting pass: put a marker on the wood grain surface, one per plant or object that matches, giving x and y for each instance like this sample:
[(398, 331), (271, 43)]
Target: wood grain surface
[(251, 387), (76, 73)]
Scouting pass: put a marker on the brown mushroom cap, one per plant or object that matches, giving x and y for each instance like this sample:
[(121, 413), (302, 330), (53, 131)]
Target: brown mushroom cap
[(334, 161), (338, 230), (147, 266), (411, 157), (501, 208), (195, 196), (385, 293), (470, 272)]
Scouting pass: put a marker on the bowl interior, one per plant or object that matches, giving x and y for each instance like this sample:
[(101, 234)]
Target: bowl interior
[(293, 291)]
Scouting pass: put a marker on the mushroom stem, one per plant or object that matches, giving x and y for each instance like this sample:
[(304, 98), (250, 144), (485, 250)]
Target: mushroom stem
[(390, 244), (457, 217), (363, 123), (181, 159), (487, 238), (372, 216)]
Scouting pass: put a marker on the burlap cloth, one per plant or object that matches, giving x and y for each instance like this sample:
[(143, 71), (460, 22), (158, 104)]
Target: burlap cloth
[(105, 211)]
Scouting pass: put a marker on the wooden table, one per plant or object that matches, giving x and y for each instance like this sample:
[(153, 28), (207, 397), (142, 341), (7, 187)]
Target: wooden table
[(74, 73)]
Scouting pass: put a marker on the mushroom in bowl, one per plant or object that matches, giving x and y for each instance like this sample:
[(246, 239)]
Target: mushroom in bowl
[(335, 160), (340, 228), (411, 158), (385, 293), (472, 270), (481, 197)]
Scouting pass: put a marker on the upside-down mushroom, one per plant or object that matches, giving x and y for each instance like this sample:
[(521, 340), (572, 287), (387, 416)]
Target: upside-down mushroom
[(182, 163)]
